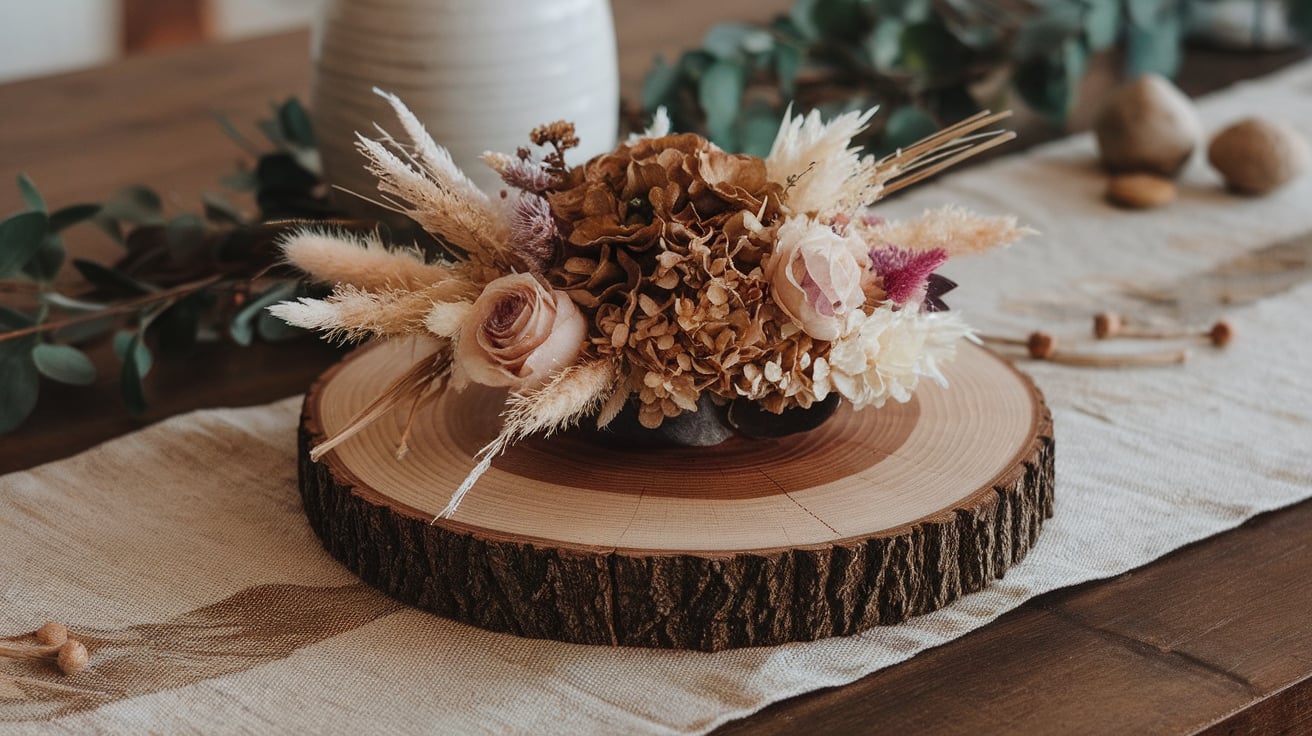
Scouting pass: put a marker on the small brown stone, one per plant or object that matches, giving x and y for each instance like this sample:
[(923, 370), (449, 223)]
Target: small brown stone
[(1140, 191), (1257, 156), (1147, 125)]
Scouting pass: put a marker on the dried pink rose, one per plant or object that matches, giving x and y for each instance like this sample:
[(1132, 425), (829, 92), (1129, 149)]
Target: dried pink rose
[(519, 333), (816, 276)]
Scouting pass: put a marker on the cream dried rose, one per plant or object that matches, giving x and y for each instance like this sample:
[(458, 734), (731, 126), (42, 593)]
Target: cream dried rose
[(816, 276), (518, 333)]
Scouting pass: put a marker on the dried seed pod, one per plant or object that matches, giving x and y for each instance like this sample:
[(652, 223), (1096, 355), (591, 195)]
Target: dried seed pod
[(1107, 325), (72, 657), (1041, 345), (1221, 333), (52, 634)]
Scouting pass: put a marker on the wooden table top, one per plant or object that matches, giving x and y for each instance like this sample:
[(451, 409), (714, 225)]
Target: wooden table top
[(1214, 637)]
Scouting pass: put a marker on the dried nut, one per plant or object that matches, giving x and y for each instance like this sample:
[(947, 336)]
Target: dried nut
[(1140, 191), (1221, 333), (1148, 125), (1107, 325), (52, 634), (72, 657), (1041, 345), (1257, 156)]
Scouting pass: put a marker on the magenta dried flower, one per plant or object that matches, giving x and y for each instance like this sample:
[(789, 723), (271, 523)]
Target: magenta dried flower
[(904, 272)]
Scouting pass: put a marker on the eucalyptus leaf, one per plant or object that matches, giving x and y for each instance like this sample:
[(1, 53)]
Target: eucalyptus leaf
[(1044, 35), (81, 333), (128, 342), (883, 45), (111, 280), (136, 363), (272, 329), (177, 326), (758, 127), (56, 299), (12, 319), (243, 180), (1155, 49), (1102, 24), (1049, 84), (295, 123), (787, 65), (906, 125), (725, 40), (185, 238), (136, 204), (21, 237), (20, 382), (242, 326), (31, 196), (720, 93), (839, 19), (64, 363), (48, 259), (928, 48), (279, 172), (236, 135), (273, 131), (1145, 14), (66, 217), (219, 210), (659, 84), (801, 16)]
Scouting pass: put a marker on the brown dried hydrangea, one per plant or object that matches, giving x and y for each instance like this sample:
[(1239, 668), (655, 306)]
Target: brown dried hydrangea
[(663, 247)]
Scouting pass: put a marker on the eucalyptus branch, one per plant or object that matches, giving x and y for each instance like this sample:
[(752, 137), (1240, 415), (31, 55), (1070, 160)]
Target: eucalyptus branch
[(167, 296)]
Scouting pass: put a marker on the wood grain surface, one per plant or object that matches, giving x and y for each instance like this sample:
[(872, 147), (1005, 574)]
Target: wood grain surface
[(874, 516), (1220, 626)]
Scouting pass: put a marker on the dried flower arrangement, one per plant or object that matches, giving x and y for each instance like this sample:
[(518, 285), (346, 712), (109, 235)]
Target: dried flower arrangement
[(661, 274)]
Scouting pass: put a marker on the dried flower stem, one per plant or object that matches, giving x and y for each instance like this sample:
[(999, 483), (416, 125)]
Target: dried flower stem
[(1042, 346), (167, 295), (1108, 325), (70, 655), (909, 165)]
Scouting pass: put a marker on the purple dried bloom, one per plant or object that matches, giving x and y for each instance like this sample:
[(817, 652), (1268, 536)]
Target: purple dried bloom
[(904, 272), (533, 231), (528, 175)]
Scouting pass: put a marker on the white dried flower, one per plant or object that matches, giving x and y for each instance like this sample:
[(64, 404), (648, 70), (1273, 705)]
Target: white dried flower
[(885, 354), (817, 164)]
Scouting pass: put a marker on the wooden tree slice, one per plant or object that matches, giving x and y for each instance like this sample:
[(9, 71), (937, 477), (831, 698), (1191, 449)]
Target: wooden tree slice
[(876, 516)]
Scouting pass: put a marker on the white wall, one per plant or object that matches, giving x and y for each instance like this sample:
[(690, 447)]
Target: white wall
[(243, 18), (47, 36), (39, 37)]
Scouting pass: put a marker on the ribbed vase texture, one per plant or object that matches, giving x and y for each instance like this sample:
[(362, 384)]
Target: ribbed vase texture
[(480, 74)]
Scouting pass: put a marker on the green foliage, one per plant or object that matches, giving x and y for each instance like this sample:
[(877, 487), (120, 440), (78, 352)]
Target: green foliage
[(928, 57), (182, 277), (64, 363)]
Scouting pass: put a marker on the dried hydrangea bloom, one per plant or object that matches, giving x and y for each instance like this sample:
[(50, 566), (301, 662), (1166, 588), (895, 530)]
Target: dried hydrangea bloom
[(663, 245)]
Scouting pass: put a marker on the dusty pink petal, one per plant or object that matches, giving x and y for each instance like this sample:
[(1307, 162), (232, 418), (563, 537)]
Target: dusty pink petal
[(518, 333)]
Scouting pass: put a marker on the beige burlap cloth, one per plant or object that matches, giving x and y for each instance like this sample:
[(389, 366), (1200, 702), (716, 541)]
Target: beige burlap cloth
[(181, 553)]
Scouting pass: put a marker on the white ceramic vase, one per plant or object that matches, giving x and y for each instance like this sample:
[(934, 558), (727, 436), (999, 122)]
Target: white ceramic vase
[(480, 74)]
